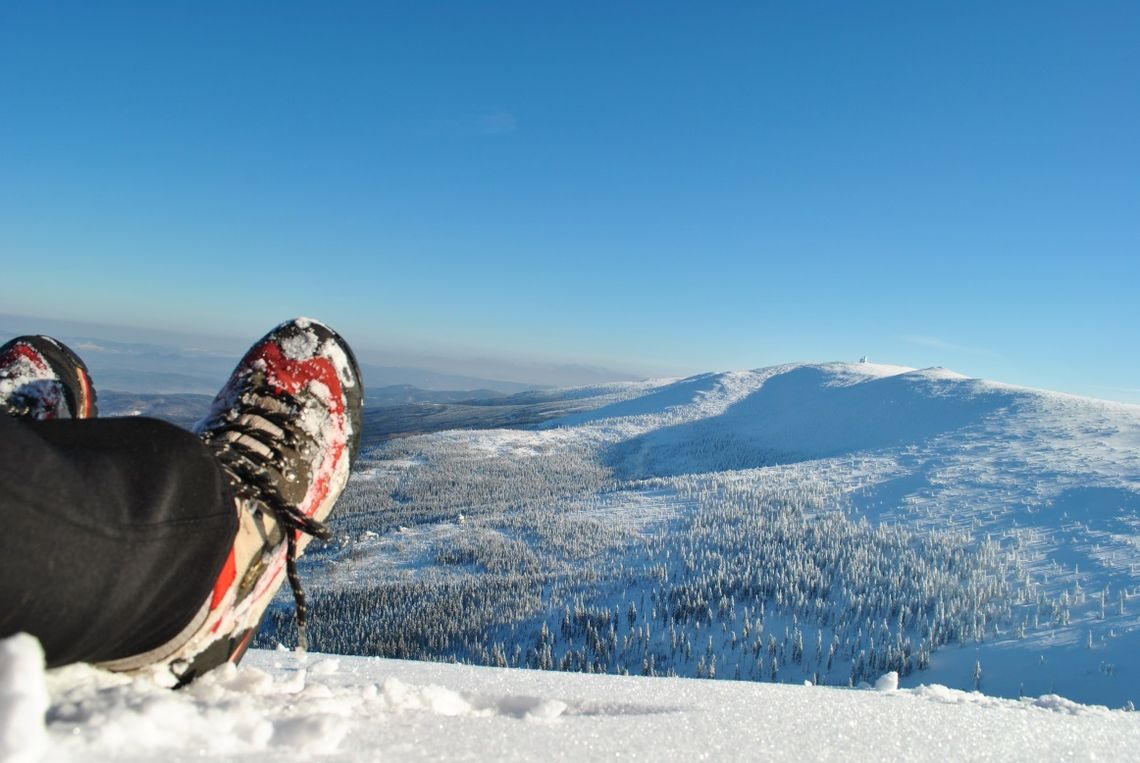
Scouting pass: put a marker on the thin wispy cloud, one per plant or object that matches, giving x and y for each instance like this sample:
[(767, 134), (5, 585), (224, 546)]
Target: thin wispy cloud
[(490, 123), (942, 344), (497, 123)]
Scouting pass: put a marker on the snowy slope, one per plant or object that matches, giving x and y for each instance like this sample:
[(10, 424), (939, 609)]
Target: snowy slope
[(362, 709), (1000, 548)]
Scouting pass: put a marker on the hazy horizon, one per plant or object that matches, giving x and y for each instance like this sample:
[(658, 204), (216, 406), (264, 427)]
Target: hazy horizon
[(209, 359), (226, 349)]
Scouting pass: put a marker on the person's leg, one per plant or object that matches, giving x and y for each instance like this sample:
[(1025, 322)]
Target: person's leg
[(113, 533)]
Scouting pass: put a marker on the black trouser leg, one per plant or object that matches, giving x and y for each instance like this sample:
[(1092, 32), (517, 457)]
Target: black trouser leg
[(112, 533)]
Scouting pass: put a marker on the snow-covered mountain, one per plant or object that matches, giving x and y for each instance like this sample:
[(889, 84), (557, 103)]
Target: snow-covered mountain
[(803, 522)]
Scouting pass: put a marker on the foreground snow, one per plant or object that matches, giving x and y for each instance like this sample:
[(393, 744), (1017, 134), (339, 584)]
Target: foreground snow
[(357, 709)]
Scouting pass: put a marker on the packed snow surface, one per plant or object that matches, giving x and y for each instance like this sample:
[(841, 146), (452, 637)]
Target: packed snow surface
[(301, 707)]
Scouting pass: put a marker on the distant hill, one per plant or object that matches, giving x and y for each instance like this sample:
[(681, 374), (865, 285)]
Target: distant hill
[(398, 409), (181, 409), (388, 411), (376, 376), (403, 394)]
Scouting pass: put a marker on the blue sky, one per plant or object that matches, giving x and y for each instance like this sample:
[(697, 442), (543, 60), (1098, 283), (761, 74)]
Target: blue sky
[(648, 187)]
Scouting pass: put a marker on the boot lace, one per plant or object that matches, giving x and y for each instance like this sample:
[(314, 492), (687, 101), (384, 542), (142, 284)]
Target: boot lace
[(251, 444)]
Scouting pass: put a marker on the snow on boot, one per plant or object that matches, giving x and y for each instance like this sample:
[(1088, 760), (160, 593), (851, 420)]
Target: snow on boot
[(42, 379), (285, 429)]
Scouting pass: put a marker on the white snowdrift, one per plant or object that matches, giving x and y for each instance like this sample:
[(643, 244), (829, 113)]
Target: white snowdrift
[(363, 709)]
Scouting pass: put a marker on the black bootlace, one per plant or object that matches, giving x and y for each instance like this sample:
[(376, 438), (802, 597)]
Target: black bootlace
[(22, 411), (22, 405), (253, 480)]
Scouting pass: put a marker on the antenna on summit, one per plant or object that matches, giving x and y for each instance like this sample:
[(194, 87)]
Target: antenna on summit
[(864, 359)]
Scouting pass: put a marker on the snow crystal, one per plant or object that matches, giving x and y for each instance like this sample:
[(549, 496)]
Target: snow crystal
[(310, 734), (1058, 704), (334, 352), (888, 682), (300, 346), (399, 696), (944, 694), (533, 708)]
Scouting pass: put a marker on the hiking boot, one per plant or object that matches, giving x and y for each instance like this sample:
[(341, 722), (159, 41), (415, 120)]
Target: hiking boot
[(285, 429), (42, 379)]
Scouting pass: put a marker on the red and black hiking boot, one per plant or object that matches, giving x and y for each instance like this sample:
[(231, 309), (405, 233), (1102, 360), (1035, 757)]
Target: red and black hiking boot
[(285, 429), (42, 379)]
